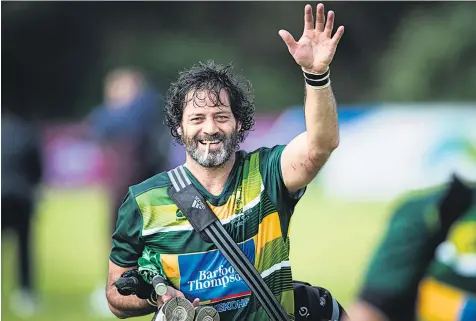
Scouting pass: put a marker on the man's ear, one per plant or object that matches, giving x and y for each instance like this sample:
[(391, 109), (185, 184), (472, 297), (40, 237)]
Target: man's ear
[(179, 130), (238, 125)]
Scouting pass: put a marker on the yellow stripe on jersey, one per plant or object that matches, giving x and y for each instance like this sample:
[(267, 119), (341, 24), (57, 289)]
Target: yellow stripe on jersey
[(268, 230), (161, 215), (226, 210), (171, 268), (438, 301)]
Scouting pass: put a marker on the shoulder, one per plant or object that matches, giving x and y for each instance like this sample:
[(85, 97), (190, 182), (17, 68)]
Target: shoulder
[(262, 153), (418, 199), (97, 112), (150, 197), (265, 150), (421, 206), (147, 187)]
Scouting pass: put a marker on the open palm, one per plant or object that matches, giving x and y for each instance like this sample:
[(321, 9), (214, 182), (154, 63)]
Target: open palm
[(316, 48)]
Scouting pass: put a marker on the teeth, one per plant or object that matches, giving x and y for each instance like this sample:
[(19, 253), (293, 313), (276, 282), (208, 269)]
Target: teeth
[(211, 142)]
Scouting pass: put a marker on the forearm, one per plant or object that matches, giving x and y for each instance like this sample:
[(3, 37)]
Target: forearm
[(305, 155), (127, 306), (321, 121)]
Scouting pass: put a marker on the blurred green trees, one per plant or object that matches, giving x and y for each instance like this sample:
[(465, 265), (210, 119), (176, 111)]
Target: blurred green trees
[(432, 56), (55, 54)]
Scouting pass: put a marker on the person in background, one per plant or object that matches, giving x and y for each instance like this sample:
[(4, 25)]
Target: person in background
[(21, 177), (425, 266), (129, 127)]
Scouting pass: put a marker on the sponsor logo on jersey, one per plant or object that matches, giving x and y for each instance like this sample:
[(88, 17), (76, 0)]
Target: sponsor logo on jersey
[(209, 276)]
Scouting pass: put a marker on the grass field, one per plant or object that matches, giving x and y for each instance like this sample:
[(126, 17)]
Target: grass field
[(331, 243)]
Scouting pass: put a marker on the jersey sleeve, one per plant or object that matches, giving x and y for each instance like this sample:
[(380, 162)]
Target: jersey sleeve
[(272, 176), (401, 259), (127, 243)]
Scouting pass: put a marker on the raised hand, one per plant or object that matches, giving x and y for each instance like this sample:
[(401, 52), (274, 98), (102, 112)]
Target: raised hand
[(316, 48)]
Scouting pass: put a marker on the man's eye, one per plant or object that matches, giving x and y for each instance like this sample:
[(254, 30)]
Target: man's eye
[(222, 117)]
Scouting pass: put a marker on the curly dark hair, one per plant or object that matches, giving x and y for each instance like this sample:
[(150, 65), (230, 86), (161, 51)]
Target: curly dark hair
[(213, 78)]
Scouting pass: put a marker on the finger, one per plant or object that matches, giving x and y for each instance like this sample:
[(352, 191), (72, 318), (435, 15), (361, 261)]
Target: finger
[(165, 298), (320, 17), (171, 293), (196, 302), (330, 23), (308, 18), (288, 40), (338, 35)]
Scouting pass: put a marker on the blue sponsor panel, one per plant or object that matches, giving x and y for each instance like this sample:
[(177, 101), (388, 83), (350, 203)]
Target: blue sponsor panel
[(291, 123), (209, 276), (469, 310), (345, 113)]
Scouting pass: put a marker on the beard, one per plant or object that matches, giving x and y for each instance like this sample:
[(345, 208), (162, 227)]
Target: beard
[(215, 157)]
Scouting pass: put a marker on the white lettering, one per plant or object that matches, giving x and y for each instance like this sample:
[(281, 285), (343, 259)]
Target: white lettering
[(231, 270), (197, 283), (222, 307), (225, 280), (220, 269), (202, 275), (216, 282), (221, 277)]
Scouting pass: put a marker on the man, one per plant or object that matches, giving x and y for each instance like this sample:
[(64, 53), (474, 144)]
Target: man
[(209, 110), (425, 267), (21, 176), (129, 128)]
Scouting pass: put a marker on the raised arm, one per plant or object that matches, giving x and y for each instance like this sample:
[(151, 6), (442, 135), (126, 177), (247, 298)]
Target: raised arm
[(305, 155)]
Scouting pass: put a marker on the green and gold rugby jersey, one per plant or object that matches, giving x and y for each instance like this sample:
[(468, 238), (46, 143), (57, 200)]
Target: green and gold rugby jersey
[(425, 267), (255, 208)]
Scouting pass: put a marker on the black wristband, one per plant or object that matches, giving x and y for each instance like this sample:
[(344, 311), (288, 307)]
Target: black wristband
[(317, 80), (318, 83), (310, 76)]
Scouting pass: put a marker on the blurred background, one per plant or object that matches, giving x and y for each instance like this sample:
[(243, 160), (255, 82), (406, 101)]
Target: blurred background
[(82, 89)]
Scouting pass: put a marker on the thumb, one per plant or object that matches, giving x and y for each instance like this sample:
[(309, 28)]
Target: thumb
[(288, 40), (165, 298), (196, 302), (171, 293)]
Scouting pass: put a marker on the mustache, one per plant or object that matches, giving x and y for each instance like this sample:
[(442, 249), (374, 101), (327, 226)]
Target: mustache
[(216, 136)]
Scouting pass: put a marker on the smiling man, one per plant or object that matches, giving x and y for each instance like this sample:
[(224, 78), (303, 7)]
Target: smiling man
[(209, 144), (209, 110)]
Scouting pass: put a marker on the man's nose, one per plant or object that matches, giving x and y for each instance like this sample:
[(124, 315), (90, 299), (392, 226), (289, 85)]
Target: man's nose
[(210, 127)]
